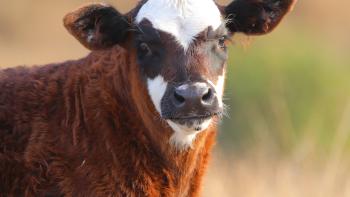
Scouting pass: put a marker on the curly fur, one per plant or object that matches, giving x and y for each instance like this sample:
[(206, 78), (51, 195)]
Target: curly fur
[(86, 128)]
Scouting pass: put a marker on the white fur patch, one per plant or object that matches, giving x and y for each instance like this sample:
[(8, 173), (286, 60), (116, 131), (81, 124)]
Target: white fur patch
[(184, 136), (156, 89), (184, 19), (219, 88)]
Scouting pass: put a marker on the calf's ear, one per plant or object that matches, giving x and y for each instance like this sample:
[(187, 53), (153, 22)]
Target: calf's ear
[(97, 26), (255, 17)]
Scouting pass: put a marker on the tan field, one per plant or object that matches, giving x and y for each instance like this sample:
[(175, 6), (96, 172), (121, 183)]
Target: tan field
[(288, 129)]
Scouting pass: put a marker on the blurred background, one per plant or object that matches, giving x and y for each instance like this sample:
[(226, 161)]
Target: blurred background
[(288, 129)]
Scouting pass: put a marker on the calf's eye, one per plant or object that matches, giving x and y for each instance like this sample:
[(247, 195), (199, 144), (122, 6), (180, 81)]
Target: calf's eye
[(144, 50), (222, 42)]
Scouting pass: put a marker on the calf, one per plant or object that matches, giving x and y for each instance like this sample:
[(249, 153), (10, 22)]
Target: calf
[(136, 117)]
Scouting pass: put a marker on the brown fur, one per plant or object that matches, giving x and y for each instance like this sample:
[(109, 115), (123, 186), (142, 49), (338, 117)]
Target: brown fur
[(88, 128)]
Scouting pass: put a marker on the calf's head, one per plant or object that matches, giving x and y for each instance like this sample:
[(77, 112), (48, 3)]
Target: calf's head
[(180, 48)]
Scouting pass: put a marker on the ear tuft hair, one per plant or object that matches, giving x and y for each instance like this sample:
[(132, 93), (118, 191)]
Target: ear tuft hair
[(97, 26)]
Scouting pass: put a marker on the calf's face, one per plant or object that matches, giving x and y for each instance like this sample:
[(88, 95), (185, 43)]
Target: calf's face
[(181, 50)]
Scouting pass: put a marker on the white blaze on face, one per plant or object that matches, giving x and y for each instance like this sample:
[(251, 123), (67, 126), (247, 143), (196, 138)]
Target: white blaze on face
[(219, 88), (184, 19), (156, 90)]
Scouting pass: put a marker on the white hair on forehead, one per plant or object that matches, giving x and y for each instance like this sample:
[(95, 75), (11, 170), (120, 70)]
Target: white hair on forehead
[(184, 19)]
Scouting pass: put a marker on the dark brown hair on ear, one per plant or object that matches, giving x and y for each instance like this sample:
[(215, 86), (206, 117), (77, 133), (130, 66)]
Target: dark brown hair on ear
[(97, 26), (255, 17)]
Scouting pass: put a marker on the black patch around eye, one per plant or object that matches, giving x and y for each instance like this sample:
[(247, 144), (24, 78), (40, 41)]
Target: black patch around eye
[(143, 50), (150, 58), (150, 50)]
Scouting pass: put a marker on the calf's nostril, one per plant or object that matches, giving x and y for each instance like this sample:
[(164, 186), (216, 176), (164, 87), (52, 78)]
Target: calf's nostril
[(180, 99), (193, 96), (208, 95)]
